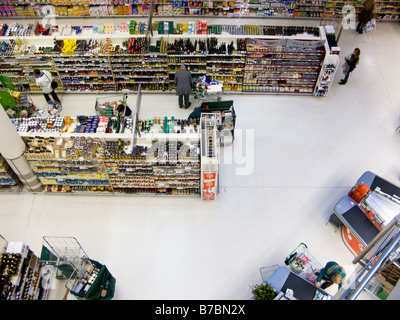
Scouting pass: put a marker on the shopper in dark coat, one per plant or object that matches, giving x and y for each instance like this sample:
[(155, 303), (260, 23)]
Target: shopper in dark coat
[(365, 15), (183, 84), (350, 64)]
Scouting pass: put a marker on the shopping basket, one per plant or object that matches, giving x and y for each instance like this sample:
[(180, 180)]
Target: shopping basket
[(102, 288)]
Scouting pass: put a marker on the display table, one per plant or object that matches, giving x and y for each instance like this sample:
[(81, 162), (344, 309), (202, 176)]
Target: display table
[(283, 278), (358, 229)]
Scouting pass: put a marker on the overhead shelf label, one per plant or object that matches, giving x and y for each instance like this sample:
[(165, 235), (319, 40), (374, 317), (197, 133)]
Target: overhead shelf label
[(286, 42)]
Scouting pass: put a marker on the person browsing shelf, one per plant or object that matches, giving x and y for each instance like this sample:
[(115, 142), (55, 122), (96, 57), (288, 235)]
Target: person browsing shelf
[(44, 81), (183, 84), (124, 110), (196, 113)]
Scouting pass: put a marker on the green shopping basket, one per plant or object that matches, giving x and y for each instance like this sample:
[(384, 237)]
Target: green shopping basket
[(103, 281)]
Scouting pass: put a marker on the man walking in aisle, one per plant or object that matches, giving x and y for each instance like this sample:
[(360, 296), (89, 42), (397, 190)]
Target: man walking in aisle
[(183, 86)]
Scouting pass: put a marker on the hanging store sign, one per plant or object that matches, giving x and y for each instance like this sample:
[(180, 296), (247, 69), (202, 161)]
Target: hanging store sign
[(286, 42), (266, 42), (305, 43)]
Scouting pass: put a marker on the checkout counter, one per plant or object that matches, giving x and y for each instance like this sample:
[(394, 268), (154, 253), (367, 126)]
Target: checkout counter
[(284, 278), (362, 221)]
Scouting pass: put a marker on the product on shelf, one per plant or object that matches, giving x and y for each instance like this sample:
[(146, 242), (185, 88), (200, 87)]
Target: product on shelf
[(283, 65), (166, 160), (21, 274), (311, 9), (8, 179), (99, 65)]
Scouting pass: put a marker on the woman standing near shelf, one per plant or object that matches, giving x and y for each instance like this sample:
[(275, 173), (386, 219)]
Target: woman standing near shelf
[(350, 64), (183, 83), (44, 82), (365, 15)]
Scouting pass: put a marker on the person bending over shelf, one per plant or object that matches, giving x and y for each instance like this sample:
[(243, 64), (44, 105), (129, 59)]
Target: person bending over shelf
[(183, 85), (45, 82), (196, 113), (350, 64), (124, 110), (331, 273)]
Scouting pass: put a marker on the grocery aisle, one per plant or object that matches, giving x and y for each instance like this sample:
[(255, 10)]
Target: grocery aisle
[(308, 152)]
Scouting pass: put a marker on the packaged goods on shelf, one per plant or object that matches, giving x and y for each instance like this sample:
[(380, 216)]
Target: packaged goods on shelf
[(384, 10), (164, 160), (8, 179), (21, 273), (79, 124), (289, 61)]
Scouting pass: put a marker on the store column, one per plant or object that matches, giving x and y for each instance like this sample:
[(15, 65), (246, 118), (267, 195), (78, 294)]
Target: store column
[(12, 148)]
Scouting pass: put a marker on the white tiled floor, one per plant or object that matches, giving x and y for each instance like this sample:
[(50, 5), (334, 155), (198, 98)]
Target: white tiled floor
[(308, 153)]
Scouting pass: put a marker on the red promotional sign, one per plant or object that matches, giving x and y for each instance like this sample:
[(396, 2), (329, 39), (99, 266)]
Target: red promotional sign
[(209, 175), (351, 241), (209, 185)]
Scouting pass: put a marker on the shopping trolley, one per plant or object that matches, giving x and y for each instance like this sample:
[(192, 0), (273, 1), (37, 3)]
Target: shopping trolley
[(107, 106), (71, 260), (65, 253), (205, 89), (301, 262)]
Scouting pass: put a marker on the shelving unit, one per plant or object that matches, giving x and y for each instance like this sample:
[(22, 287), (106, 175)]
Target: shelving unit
[(21, 273), (284, 65), (20, 70), (167, 154), (215, 8), (165, 159), (257, 59), (387, 10), (149, 70), (226, 61), (85, 73), (9, 182)]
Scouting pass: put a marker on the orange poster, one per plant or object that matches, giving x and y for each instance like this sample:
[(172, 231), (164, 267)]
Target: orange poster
[(208, 195), (209, 175), (209, 184), (351, 241)]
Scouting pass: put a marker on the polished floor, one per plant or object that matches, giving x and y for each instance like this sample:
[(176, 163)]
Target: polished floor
[(302, 155)]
